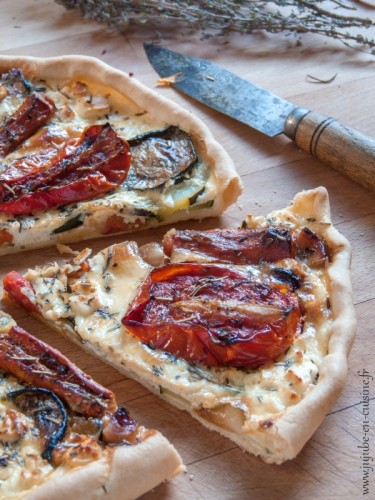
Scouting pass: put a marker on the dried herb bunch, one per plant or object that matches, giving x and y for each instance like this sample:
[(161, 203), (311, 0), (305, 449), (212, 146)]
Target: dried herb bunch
[(244, 16)]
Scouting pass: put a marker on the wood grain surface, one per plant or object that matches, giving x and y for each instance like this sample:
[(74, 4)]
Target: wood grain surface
[(331, 465)]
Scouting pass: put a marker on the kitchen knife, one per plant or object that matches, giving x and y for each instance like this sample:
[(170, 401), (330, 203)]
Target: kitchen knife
[(341, 147)]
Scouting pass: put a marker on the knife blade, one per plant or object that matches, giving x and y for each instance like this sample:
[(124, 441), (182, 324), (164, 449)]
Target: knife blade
[(343, 148)]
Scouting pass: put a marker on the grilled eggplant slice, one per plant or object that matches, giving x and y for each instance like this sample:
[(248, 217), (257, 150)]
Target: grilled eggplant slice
[(158, 157), (48, 412)]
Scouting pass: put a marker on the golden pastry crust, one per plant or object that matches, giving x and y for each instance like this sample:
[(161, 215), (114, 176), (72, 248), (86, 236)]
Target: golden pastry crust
[(221, 187), (116, 475), (270, 411)]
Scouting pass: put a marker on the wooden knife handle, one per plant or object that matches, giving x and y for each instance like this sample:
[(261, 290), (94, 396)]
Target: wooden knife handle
[(341, 147)]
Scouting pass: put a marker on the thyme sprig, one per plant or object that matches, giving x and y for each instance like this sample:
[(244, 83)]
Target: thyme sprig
[(244, 16)]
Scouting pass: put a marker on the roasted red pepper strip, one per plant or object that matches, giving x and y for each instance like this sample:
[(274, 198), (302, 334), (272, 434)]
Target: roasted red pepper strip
[(81, 190), (247, 246), (214, 315), (97, 165), (232, 246), (20, 290), (34, 112), (38, 364), (20, 168)]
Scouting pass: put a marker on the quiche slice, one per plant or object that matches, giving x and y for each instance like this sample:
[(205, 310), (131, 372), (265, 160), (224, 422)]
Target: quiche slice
[(248, 329), (87, 151), (62, 434)]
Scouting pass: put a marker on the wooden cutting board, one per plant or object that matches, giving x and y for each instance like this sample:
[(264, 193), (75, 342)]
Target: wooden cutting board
[(273, 170)]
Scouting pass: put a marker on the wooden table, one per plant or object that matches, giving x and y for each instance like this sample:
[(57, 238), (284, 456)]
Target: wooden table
[(273, 170)]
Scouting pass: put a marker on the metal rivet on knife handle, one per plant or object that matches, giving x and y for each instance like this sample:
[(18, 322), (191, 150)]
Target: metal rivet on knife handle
[(345, 149)]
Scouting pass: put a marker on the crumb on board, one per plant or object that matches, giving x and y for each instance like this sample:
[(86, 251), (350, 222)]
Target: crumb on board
[(168, 80), (61, 248)]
